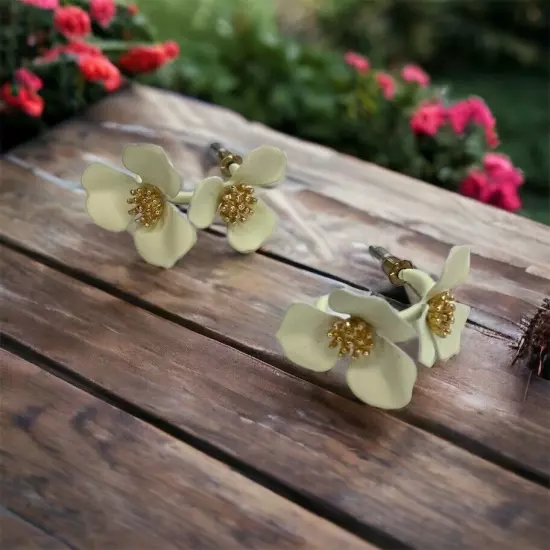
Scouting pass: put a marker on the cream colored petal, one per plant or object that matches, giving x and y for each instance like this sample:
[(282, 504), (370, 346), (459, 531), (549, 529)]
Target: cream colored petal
[(450, 345), (412, 313), (377, 312), (303, 336), (418, 284), (322, 303), (152, 164), (455, 270), (385, 378), (426, 344), (250, 235), (108, 191), (204, 204), (170, 239), (263, 166)]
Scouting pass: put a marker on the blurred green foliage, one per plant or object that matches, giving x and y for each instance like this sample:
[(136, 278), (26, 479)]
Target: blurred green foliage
[(234, 54), (492, 34)]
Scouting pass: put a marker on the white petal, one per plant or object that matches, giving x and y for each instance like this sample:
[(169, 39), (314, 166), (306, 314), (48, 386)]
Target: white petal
[(376, 311), (418, 283), (152, 164), (170, 239), (303, 336), (322, 303), (455, 270), (250, 235), (263, 166), (426, 344), (204, 203), (385, 378), (108, 191), (450, 345)]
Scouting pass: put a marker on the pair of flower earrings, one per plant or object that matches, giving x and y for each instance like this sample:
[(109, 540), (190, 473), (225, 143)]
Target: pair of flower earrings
[(143, 200)]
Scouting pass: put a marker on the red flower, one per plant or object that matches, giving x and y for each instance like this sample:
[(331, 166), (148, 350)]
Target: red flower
[(28, 79), (75, 48), (99, 69), (357, 61), (102, 11), (428, 118), (171, 49), (496, 184), (72, 22), (24, 99), (132, 9), (413, 73), (387, 84), (142, 59), (42, 4)]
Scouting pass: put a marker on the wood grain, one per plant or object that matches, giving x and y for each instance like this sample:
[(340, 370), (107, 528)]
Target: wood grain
[(101, 479), (476, 399), (381, 474), (18, 534), (348, 203)]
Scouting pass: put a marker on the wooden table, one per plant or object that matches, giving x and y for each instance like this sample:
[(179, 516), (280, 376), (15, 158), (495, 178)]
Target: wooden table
[(145, 409)]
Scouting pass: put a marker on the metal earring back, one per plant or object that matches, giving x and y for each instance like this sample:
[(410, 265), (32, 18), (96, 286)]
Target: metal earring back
[(391, 265), (437, 317)]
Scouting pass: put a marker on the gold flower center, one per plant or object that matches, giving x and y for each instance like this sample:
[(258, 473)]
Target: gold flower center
[(237, 204), (353, 336), (440, 316), (149, 204)]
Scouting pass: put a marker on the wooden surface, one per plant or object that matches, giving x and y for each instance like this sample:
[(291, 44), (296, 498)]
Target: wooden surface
[(144, 408)]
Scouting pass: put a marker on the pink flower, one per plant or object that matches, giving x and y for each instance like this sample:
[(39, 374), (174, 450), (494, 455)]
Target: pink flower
[(413, 73), (28, 79), (497, 162), (473, 110), (102, 11), (42, 4), (459, 116), (480, 113), (428, 118), (387, 84), (357, 61), (497, 184)]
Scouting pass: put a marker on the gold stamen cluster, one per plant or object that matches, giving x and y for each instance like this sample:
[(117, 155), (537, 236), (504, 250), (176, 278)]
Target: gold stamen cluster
[(440, 316), (353, 336), (237, 204), (149, 204)]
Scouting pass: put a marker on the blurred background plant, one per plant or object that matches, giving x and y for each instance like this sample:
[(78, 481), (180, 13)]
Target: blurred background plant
[(284, 63), (57, 57)]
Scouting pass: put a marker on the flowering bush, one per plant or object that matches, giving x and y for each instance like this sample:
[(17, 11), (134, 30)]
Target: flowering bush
[(414, 128), (65, 55)]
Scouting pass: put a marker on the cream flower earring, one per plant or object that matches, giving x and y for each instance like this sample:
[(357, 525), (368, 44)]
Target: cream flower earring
[(141, 203), (364, 328), (249, 220), (436, 316)]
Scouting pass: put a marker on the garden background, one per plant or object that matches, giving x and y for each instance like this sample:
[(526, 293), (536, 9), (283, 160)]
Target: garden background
[(282, 63)]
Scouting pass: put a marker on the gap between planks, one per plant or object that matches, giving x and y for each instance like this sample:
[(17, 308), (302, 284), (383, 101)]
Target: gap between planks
[(437, 429), (318, 507), (397, 295)]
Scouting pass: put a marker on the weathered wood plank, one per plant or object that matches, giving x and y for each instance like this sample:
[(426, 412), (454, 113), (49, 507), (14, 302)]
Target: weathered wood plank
[(370, 467), (100, 478), (347, 202), (17, 534), (476, 397)]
